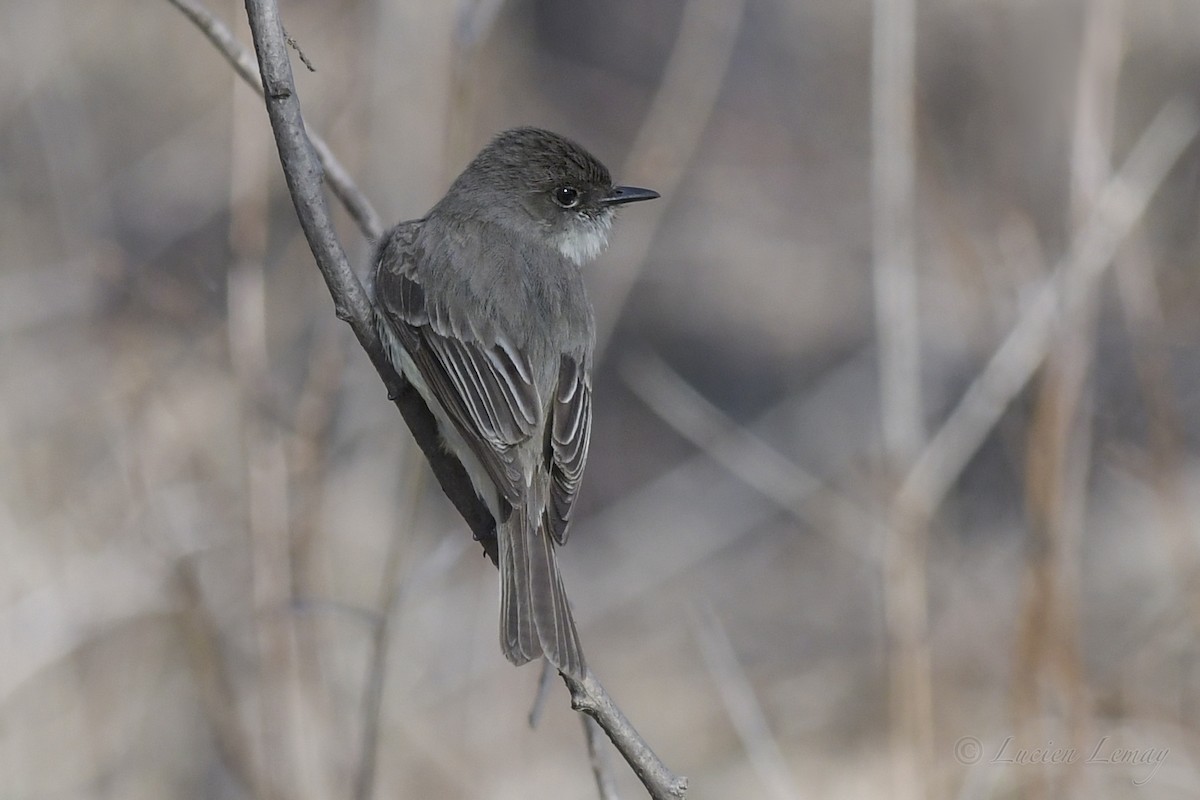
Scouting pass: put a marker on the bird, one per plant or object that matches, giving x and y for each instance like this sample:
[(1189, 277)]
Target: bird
[(481, 306)]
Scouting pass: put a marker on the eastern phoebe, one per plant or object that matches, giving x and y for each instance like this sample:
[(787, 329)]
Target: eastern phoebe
[(482, 308)]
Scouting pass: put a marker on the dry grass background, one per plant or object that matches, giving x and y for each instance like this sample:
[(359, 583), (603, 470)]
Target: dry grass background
[(213, 524)]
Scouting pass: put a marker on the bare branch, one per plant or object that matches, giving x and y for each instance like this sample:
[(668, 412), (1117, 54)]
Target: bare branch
[(543, 689), (339, 180), (742, 705), (1117, 210), (590, 697), (740, 450), (897, 330), (303, 171), (893, 196), (394, 590), (218, 696), (598, 756), (292, 43)]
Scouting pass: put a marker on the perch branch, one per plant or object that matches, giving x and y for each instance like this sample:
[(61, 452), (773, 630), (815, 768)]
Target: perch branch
[(590, 697), (303, 171)]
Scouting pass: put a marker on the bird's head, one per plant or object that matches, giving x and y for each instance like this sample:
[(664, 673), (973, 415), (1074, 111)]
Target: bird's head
[(547, 187)]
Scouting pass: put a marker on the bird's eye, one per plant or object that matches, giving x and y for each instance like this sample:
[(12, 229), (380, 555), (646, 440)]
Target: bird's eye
[(566, 196)]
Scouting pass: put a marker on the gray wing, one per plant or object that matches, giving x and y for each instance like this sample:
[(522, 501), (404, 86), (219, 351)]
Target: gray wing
[(570, 433), (486, 387)]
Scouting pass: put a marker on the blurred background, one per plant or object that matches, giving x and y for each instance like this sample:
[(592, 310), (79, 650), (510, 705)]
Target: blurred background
[(892, 489)]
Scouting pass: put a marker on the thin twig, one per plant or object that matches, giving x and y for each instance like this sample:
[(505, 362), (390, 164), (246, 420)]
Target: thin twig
[(340, 183), (432, 567), (292, 43), (692, 526), (1049, 677), (543, 689), (218, 696), (589, 696), (390, 587), (893, 196), (593, 734), (282, 720), (742, 705), (312, 423), (738, 449), (1118, 209), (897, 330)]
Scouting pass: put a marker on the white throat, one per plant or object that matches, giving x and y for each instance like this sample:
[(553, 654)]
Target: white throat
[(584, 240)]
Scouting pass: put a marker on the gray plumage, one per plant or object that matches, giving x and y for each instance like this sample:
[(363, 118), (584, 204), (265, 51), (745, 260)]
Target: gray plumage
[(483, 309)]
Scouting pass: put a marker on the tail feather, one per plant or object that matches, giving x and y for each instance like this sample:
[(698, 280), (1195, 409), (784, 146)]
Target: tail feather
[(518, 635), (535, 615)]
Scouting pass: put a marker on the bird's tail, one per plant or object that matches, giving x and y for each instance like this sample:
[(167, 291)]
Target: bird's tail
[(535, 615)]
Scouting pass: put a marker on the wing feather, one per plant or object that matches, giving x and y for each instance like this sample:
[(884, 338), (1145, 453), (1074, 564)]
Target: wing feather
[(485, 388), (570, 435)]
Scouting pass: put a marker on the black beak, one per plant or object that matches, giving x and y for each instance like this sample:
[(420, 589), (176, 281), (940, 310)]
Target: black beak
[(627, 194)]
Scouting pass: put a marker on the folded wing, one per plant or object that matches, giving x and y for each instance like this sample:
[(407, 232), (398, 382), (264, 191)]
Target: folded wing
[(486, 389)]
